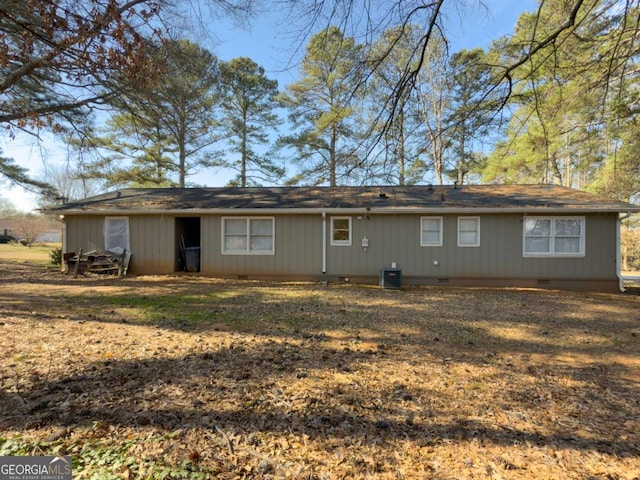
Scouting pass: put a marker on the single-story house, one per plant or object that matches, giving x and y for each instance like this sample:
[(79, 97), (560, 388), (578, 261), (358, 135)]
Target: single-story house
[(469, 235)]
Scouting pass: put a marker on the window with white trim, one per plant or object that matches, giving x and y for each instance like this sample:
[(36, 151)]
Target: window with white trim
[(468, 231), (341, 231), (431, 231), (248, 235), (553, 236)]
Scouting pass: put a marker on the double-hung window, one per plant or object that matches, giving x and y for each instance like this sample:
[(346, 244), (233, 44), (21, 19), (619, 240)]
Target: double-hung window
[(431, 231), (468, 231), (341, 231), (248, 235), (554, 236)]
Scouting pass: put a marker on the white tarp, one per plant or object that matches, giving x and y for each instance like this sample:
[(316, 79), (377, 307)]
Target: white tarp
[(116, 237)]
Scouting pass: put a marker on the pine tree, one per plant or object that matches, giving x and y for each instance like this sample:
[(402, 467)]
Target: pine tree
[(162, 132), (322, 105), (248, 102)]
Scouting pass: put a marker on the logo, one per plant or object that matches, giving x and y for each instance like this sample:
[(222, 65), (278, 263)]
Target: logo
[(35, 468)]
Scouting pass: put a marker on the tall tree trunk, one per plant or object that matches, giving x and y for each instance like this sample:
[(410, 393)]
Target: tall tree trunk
[(401, 162), (182, 147), (243, 148), (332, 157), (243, 166)]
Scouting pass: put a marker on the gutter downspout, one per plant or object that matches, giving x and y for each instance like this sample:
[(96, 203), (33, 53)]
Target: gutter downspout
[(618, 250), (324, 242)]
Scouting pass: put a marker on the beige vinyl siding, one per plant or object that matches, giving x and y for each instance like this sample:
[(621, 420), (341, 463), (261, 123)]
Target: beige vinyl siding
[(152, 241), (600, 253), (391, 238), (86, 233), (298, 249), (396, 238), (151, 238)]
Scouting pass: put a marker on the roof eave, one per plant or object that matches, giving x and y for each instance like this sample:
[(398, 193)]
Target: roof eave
[(525, 210), (344, 211)]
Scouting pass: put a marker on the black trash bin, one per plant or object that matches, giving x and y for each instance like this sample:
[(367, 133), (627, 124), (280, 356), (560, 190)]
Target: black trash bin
[(192, 259)]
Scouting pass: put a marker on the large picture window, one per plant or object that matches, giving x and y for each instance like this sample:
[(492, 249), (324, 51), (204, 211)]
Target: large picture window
[(341, 231), (468, 231), (431, 232), (554, 236), (248, 236)]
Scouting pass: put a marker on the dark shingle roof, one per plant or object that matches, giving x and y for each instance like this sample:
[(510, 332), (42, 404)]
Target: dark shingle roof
[(381, 199)]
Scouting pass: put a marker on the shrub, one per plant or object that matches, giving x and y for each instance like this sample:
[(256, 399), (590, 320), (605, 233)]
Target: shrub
[(56, 256)]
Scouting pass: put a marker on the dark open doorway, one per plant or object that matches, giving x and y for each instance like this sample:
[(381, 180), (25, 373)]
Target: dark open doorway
[(188, 244)]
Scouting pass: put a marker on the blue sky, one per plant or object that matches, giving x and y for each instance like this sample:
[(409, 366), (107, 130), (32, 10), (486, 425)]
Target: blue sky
[(271, 42)]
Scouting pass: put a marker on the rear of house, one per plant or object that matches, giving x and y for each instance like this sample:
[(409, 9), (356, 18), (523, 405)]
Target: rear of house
[(526, 236)]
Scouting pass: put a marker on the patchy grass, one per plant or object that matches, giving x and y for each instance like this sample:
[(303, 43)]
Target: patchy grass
[(36, 255), (187, 377)]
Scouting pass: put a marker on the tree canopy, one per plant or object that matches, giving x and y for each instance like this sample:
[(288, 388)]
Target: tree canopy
[(573, 102), (248, 100), (17, 174), (322, 104), (559, 95), (379, 98), (161, 130), (59, 56), (59, 59)]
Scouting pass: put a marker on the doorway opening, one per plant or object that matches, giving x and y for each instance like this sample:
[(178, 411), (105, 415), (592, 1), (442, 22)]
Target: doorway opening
[(187, 244)]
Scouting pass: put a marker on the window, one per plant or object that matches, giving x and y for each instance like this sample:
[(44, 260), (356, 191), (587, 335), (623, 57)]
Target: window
[(116, 234), (341, 231), (248, 236), (553, 236), (431, 232), (468, 231)]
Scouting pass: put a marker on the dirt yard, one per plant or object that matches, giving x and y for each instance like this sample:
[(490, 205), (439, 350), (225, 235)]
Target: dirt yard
[(187, 377)]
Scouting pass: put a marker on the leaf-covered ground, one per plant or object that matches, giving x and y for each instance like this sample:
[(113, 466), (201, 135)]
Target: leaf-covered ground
[(187, 377)]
